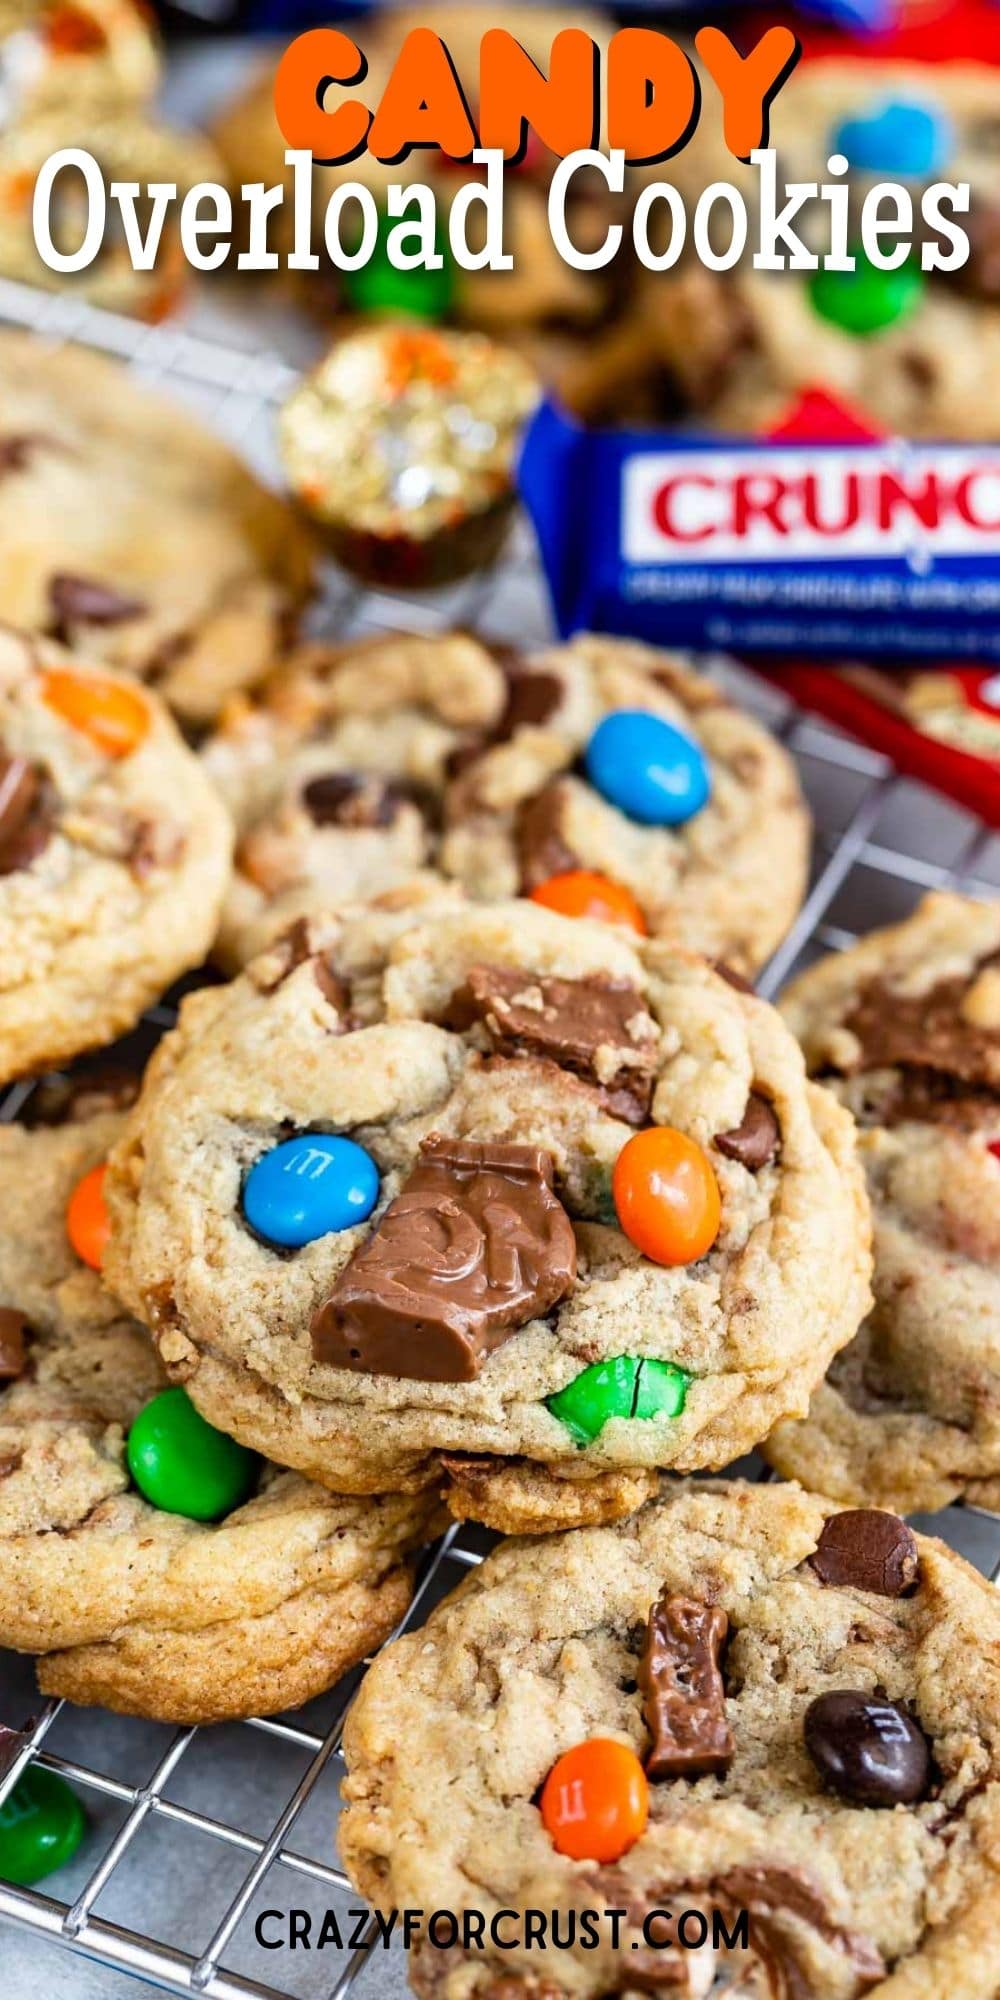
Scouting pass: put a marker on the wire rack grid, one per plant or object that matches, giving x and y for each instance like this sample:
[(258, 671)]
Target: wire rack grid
[(228, 1822)]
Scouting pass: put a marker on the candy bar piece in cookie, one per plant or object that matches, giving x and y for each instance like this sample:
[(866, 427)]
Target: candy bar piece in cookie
[(775, 1726), (602, 776), (905, 1027), (155, 1566), (114, 854), (185, 570), (495, 1199)]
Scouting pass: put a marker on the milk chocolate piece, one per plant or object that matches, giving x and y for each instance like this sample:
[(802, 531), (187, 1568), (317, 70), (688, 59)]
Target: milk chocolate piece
[(85, 600), (755, 1140), (532, 699), (927, 1033), (567, 1021), (351, 799), (27, 813), (867, 1550), (14, 1332), (474, 1246), (542, 849), (17, 450), (684, 1701)]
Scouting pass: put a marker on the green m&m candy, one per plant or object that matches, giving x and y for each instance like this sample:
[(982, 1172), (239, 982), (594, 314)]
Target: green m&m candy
[(628, 1386), (866, 299), (377, 287), (184, 1466), (41, 1825)]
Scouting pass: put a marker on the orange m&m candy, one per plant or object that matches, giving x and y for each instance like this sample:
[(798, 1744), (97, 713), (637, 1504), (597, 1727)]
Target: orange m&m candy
[(582, 892), (666, 1196), (88, 1224), (113, 715), (595, 1800)]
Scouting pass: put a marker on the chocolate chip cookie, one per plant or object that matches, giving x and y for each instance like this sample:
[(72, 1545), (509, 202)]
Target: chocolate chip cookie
[(357, 767), (236, 1588), (905, 1027), (114, 854), (736, 1703), (495, 1197), (133, 534)]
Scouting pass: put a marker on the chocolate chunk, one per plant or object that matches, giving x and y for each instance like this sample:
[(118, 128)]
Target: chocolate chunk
[(927, 1035), (10, 1463), (18, 450), (85, 600), (532, 700), (14, 1335), (684, 1701), (868, 1550), (867, 1749), (351, 799), (542, 849), (570, 1022), (474, 1246), (772, 1895), (296, 948), (27, 813), (980, 274), (755, 1140), (731, 976)]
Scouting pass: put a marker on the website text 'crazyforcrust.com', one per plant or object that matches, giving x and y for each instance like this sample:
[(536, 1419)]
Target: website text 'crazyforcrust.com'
[(504, 1930)]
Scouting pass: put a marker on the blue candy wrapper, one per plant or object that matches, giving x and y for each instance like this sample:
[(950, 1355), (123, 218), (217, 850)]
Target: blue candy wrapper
[(867, 545)]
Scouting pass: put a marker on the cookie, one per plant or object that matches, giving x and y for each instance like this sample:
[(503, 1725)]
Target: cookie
[(129, 144), (905, 1027), (737, 350), (359, 765), (733, 1703), (128, 1603), (74, 55), (496, 1197), (114, 854), (903, 121), (402, 446), (134, 534)]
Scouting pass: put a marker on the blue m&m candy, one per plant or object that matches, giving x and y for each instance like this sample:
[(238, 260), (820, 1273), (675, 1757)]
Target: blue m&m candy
[(899, 136), (647, 768), (307, 1187)]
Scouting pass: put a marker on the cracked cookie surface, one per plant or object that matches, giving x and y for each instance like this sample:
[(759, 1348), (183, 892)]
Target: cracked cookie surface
[(129, 1606), (541, 1649), (469, 1041), (905, 1027), (187, 570), (358, 767), (114, 854)]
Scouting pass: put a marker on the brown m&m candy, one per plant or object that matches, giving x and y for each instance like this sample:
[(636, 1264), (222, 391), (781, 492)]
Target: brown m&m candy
[(866, 1549), (684, 1701), (476, 1244), (867, 1749)]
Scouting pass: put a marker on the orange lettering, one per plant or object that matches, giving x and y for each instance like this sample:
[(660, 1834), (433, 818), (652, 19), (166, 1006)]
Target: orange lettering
[(653, 95), (308, 67), (748, 83), (422, 104), (563, 108)]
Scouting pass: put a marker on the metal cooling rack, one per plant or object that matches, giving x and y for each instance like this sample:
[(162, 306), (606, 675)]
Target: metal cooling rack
[(194, 1832)]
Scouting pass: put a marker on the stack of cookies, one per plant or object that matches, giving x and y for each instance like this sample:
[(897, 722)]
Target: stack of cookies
[(474, 1181)]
